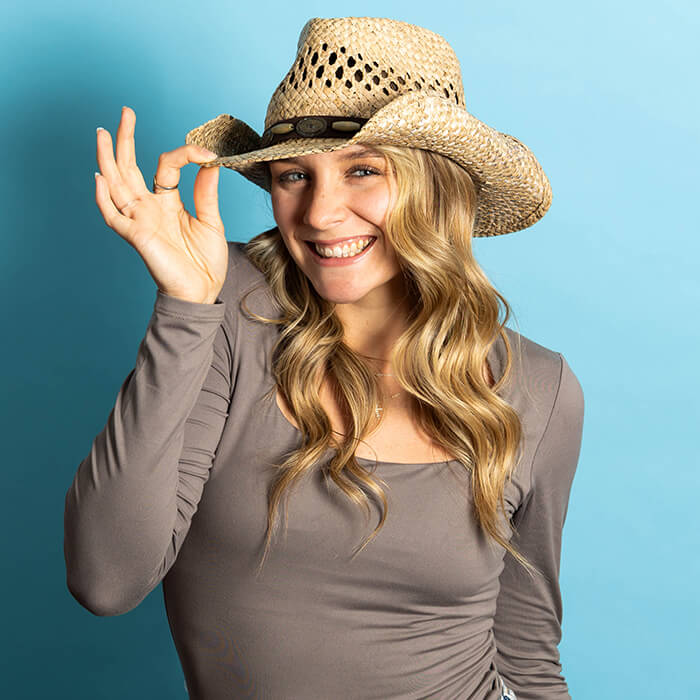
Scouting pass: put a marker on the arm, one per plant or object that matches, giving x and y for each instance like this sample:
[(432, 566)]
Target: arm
[(527, 625), (132, 498)]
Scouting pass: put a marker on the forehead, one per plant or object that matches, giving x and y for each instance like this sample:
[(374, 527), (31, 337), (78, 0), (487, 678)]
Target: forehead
[(340, 156)]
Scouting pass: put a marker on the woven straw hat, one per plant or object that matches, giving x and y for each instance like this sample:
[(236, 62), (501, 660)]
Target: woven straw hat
[(380, 81)]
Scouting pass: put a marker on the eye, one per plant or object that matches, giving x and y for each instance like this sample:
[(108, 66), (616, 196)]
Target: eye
[(365, 168), (290, 176)]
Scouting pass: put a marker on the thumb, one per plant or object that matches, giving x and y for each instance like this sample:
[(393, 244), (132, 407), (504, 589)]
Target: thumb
[(206, 196)]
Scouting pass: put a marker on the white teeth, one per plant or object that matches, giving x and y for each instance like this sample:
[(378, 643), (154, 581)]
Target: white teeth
[(344, 251)]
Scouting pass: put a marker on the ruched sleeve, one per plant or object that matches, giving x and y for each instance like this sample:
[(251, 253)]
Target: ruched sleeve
[(527, 625), (131, 501)]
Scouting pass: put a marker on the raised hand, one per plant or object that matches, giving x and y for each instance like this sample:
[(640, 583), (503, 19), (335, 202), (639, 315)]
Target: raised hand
[(186, 256)]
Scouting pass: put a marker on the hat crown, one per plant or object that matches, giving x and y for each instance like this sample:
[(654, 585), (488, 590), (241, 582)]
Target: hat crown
[(354, 66)]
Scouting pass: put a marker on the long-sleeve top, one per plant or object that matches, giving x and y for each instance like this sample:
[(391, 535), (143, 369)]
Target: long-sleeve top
[(174, 490)]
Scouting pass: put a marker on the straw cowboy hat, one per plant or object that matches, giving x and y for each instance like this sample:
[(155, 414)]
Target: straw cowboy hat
[(380, 81)]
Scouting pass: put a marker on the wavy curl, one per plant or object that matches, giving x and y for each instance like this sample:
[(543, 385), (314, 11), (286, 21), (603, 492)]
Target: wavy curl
[(439, 359)]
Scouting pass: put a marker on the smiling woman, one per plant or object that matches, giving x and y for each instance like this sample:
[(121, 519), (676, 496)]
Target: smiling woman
[(332, 200), (379, 303), (352, 360)]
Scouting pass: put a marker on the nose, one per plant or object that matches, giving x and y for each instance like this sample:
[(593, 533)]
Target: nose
[(324, 207)]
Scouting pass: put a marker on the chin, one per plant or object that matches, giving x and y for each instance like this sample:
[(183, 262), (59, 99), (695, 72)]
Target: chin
[(348, 291), (337, 295)]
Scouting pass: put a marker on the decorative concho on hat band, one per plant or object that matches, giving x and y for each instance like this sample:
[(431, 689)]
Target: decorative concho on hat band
[(326, 126)]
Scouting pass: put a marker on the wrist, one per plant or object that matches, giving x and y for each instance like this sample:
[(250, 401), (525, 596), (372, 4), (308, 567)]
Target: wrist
[(209, 299)]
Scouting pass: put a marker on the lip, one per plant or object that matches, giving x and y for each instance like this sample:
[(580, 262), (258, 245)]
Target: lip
[(338, 240), (338, 262)]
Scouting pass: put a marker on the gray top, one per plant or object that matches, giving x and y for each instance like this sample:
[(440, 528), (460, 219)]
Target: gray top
[(174, 490)]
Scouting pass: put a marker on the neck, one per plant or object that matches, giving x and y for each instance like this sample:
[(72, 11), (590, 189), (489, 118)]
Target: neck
[(373, 324)]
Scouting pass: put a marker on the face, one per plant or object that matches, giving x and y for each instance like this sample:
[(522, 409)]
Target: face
[(336, 199)]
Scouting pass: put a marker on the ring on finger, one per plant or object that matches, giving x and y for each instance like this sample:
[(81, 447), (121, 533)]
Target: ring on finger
[(157, 187), (128, 204)]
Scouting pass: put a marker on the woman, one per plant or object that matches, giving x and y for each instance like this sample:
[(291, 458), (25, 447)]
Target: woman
[(348, 362)]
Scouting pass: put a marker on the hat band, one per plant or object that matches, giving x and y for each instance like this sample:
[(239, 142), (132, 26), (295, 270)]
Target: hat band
[(319, 127)]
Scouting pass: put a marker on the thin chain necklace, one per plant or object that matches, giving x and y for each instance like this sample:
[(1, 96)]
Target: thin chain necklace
[(378, 409)]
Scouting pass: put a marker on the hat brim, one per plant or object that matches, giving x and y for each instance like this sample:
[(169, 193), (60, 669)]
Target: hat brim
[(513, 190)]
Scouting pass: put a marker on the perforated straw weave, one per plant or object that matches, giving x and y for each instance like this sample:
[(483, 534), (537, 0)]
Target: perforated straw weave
[(375, 80)]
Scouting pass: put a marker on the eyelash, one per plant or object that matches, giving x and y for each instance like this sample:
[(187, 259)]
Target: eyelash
[(285, 176)]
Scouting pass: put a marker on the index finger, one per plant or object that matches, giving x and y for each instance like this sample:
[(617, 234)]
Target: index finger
[(170, 162)]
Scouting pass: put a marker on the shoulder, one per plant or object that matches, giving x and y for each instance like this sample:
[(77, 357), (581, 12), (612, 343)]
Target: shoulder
[(242, 274), (549, 400), (242, 277), (545, 378)]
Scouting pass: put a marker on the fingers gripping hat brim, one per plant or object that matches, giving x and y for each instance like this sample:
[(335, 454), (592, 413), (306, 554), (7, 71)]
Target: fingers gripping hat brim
[(513, 190)]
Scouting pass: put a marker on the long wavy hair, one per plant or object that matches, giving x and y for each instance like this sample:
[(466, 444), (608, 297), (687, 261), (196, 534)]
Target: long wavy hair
[(439, 359)]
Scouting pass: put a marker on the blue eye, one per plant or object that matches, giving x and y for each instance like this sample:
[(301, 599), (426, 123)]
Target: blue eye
[(289, 177), (361, 168)]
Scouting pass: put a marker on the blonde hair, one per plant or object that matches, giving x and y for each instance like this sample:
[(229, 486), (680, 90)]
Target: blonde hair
[(439, 358)]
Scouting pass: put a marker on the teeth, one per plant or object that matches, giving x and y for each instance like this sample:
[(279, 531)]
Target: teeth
[(345, 251)]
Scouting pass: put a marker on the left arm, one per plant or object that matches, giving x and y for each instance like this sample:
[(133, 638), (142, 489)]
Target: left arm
[(527, 625)]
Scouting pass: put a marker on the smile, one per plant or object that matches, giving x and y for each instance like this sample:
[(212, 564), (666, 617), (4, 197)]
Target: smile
[(345, 255)]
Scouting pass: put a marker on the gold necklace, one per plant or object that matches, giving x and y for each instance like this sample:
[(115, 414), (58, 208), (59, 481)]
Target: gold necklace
[(378, 409)]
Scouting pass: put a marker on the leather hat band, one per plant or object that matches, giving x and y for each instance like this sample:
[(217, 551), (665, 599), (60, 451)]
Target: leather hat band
[(318, 127)]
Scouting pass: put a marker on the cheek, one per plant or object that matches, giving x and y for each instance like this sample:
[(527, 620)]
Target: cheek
[(277, 206), (295, 248), (282, 203), (374, 205)]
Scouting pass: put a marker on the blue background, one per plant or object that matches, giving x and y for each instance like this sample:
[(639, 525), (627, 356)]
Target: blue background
[(604, 93)]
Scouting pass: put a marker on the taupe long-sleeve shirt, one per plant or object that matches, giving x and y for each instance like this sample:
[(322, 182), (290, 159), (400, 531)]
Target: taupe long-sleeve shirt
[(174, 490)]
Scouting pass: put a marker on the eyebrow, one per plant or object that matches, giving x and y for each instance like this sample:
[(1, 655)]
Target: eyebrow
[(361, 153)]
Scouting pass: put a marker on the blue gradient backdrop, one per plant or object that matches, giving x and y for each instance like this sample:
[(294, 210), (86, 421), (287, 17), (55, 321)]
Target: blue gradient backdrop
[(605, 94)]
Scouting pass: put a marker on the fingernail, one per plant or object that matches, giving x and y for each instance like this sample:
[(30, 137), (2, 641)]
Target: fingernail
[(96, 174), (100, 127)]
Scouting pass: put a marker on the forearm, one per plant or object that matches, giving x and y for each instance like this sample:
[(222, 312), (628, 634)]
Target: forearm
[(121, 507)]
